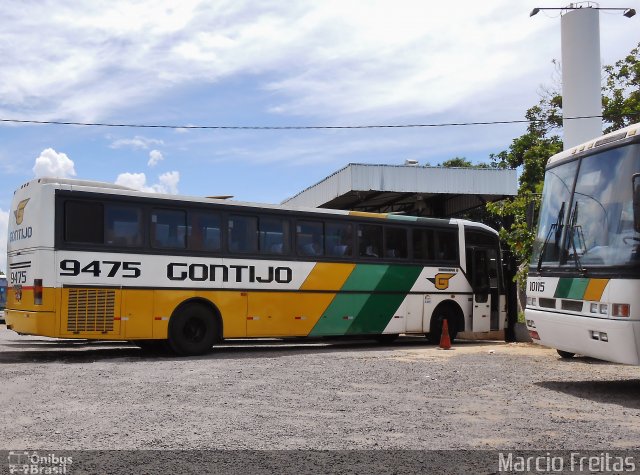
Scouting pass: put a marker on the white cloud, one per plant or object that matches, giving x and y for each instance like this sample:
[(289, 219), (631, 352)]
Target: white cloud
[(53, 164), (348, 60), (136, 143), (4, 223), (167, 182), (155, 156), (137, 181)]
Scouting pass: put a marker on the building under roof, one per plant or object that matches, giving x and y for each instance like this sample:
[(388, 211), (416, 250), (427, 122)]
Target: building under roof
[(409, 189)]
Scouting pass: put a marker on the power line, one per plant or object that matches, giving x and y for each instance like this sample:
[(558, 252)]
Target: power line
[(283, 127)]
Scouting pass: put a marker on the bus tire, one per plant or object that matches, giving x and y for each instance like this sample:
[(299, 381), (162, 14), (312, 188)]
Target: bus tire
[(193, 330), (152, 346), (565, 355), (441, 313), (386, 338)]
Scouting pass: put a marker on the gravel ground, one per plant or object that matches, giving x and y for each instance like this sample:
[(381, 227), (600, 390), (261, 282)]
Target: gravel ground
[(272, 394)]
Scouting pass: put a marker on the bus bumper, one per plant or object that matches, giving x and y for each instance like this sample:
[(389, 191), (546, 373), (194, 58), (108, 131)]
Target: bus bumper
[(610, 340), (31, 323)]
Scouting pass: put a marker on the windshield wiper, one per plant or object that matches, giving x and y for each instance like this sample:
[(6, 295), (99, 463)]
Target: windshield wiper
[(557, 227), (573, 229)]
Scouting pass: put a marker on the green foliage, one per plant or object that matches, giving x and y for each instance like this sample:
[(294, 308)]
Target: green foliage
[(462, 162), (621, 92), (530, 152)]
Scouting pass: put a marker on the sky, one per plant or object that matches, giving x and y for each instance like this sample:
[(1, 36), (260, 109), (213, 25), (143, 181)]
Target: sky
[(272, 63)]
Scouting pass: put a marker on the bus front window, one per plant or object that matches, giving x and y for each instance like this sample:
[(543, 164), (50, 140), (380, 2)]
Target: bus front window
[(603, 232), (555, 200), (594, 227)]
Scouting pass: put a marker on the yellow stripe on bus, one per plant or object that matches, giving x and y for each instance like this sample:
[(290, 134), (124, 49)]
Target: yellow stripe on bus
[(595, 289), (367, 215), (327, 276)]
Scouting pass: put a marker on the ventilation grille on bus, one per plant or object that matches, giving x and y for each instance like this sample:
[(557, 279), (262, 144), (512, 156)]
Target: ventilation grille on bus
[(91, 310), (548, 303), (573, 305)]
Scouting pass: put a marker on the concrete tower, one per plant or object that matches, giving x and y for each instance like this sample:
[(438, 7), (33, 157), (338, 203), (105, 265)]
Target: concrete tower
[(581, 94)]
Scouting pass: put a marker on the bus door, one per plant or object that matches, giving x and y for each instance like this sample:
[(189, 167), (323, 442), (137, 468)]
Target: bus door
[(495, 286), (478, 269)]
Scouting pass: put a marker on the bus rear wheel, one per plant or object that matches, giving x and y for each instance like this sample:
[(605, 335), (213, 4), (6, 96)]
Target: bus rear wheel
[(192, 330), (565, 355)]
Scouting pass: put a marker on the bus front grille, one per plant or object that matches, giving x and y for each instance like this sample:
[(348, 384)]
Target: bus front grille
[(90, 310)]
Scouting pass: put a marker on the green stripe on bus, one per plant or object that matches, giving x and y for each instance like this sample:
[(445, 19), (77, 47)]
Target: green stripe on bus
[(562, 290), (376, 314), (578, 287), (399, 217), (344, 308), (571, 288)]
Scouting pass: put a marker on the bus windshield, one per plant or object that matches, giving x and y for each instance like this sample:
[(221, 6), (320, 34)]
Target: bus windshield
[(591, 225)]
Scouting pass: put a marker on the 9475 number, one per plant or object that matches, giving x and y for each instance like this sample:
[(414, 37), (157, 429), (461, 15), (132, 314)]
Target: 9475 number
[(130, 270)]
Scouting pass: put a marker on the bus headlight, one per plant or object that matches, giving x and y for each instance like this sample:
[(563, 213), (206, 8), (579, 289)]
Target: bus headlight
[(620, 310)]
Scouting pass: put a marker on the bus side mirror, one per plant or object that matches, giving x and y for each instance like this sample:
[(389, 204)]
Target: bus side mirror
[(530, 213), (636, 202)]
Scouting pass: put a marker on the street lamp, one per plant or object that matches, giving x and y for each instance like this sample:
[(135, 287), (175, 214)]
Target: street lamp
[(628, 12), (581, 70)]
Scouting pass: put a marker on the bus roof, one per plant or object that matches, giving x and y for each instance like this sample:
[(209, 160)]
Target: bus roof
[(632, 130), (111, 188)]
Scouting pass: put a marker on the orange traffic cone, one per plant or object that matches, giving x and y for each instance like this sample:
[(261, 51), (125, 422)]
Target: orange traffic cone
[(445, 341)]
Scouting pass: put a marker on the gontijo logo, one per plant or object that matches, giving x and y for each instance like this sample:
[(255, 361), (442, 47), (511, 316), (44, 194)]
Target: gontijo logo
[(19, 211), (441, 280), (20, 233)]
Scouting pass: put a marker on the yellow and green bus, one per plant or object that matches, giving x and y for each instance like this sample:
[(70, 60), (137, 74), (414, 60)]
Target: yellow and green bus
[(96, 260)]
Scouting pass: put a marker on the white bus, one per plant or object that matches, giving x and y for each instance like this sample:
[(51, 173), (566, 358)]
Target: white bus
[(583, 289), (99, 261)]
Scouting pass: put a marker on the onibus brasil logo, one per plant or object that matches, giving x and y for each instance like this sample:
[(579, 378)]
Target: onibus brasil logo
[(34, 463)]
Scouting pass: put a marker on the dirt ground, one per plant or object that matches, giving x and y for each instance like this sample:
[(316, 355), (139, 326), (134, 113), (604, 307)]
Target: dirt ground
[(273, 394)]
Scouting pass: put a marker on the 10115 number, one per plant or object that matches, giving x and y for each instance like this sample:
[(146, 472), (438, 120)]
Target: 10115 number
[(130, 270)]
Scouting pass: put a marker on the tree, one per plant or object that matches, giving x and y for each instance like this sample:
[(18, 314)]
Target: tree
[(530, 152), (462, 162)]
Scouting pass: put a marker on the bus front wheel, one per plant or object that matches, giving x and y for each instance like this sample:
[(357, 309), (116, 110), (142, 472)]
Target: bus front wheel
[(192, 330), (565, 355)]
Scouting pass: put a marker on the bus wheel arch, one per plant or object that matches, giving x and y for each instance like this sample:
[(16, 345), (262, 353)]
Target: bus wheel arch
[(194, 327), (450, 311)]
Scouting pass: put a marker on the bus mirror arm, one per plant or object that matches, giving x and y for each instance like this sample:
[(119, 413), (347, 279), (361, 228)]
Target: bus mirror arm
[(635, 181)]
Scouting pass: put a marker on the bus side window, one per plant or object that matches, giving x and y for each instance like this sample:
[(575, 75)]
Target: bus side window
[(446, 245), (204, 232), (83, 222), (423, 244), (395, 243), (274, 236), (369, 240), (123, 225), (243, 234), (339, 239), (309, 238), (168, 229)]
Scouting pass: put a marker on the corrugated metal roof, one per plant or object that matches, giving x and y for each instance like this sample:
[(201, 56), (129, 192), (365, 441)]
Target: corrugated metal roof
[(381, 185)]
